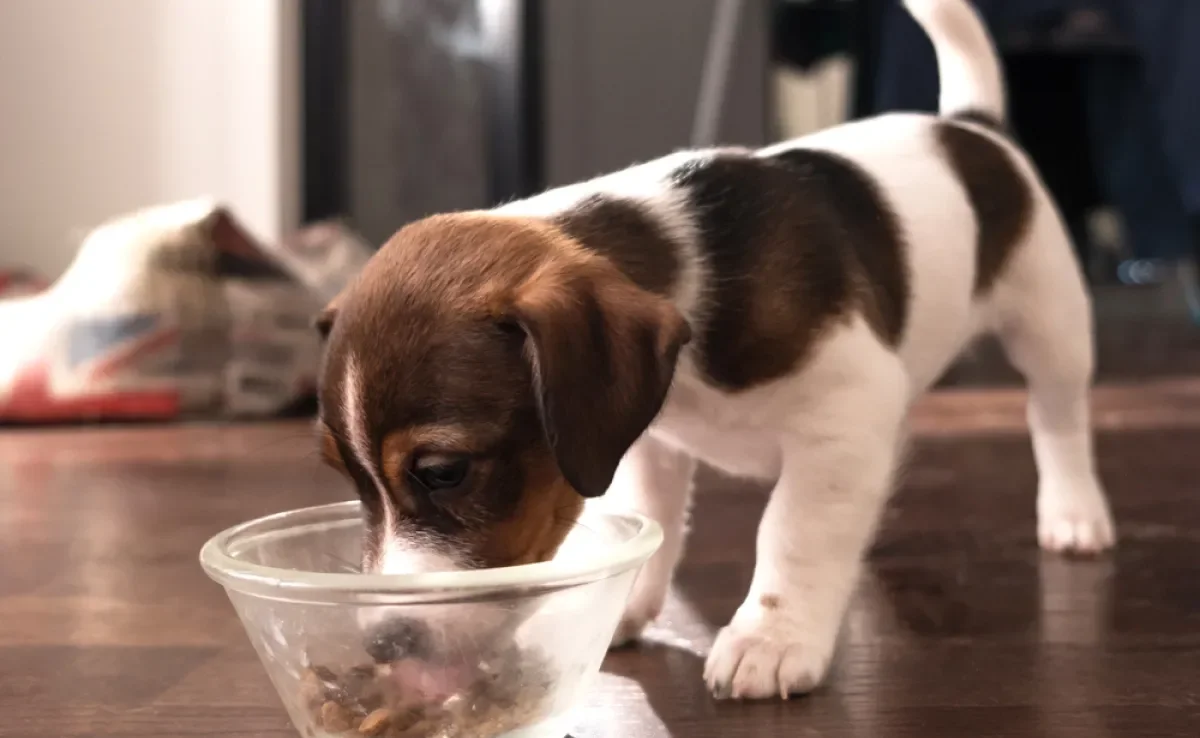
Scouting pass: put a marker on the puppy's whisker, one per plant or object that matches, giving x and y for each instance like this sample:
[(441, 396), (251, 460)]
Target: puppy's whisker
[(291, 440)]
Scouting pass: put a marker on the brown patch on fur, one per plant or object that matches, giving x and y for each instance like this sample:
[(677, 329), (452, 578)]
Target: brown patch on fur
[(588, 325), (628, 236), (769, 601), (325, 319), (999, 195), (394, 455), (451, 438), (328, 446), (524, 526), (324, 322), (797, 242), (547, 509), (400, 447)]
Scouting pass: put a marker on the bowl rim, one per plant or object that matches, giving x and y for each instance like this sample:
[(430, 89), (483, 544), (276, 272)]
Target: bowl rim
[(333, 587)]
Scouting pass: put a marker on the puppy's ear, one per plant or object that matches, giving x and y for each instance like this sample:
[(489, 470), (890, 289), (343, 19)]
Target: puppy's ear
[(603, 354), (324, 320)]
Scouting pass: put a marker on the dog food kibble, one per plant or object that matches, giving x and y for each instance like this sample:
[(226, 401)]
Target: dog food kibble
[(376, 723), (335, 717), (504, 694)]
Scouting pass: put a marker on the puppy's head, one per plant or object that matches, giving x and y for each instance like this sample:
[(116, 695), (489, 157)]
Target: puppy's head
[(483, 376)]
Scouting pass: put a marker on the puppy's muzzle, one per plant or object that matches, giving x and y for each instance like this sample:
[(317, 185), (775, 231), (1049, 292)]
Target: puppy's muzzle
[(399, 638), (439, 633)]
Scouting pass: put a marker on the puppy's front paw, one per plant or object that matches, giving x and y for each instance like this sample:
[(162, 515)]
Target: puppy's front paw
[(630, 629), (761, 658), (645, 603), (643, 607), (1078, 523)]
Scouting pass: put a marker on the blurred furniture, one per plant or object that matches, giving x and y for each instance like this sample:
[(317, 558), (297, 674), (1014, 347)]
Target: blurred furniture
[(1102, 95), (421, 106)]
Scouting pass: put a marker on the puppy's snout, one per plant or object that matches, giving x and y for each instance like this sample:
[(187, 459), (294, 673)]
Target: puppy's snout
[(399, 638)]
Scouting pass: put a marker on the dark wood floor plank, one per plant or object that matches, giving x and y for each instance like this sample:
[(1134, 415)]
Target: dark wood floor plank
[(108, 627)]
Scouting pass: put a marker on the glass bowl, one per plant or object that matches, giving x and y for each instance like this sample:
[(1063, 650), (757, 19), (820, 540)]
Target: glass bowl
[(514, 647)]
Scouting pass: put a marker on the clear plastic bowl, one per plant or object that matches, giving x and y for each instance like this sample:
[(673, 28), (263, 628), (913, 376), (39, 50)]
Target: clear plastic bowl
[(293, 580)]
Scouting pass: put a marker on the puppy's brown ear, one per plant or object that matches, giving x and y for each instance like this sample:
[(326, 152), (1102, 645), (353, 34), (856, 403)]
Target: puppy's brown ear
[(603, 354), (324, 320)]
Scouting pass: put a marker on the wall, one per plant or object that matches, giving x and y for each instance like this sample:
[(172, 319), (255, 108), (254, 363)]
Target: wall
[(115, 104)]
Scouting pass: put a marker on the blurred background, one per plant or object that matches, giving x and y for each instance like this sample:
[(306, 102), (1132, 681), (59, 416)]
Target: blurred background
[(310, 130), (185, 183)]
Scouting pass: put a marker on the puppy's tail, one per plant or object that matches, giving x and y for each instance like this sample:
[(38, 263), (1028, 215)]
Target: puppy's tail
[(972, 83)]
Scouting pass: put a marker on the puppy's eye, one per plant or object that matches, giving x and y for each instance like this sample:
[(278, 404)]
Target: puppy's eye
[(440, 473)]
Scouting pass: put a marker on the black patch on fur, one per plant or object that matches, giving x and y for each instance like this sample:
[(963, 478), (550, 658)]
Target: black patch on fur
[(873, 237), (627, 235), (999, 194), (792, 242)]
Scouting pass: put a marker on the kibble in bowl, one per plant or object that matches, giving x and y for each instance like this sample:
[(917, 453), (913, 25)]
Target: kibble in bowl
[(515, 647)]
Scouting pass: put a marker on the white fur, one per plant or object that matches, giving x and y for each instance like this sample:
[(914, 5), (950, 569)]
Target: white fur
[(970, 80), (836, 435), (654, 479), (829, 435), (355, 423), (403, 552)]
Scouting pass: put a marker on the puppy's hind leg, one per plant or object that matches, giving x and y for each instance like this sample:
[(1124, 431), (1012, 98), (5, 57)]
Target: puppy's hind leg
[(656, 480), (1044, 321)]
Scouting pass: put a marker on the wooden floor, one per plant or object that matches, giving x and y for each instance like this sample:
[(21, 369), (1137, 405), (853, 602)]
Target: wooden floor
[(960, 628)]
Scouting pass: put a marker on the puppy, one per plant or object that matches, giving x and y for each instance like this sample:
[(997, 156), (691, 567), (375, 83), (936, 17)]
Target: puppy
[(773, 312)]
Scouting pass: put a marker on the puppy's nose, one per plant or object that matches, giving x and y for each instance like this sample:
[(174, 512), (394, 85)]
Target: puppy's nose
[(399, 638)]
